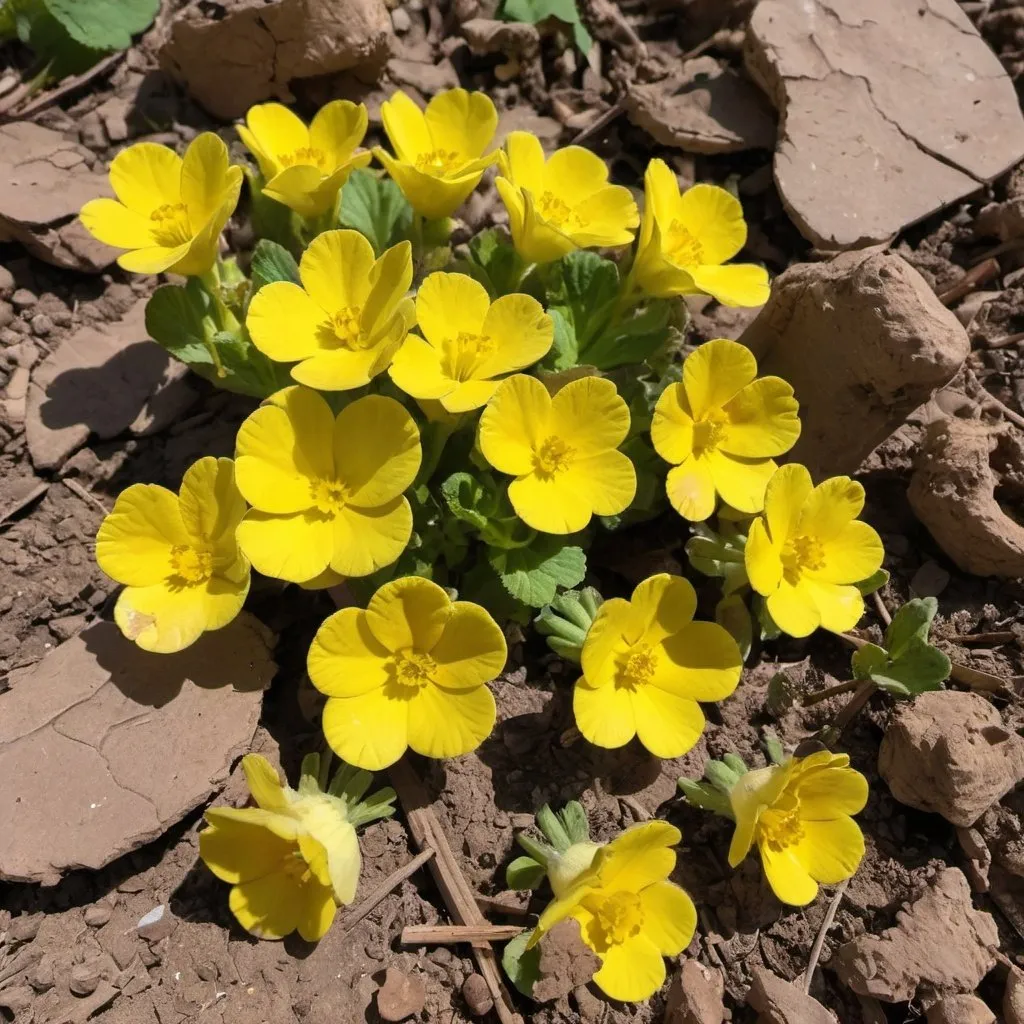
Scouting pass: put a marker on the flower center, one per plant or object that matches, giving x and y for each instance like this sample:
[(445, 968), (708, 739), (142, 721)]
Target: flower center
[(681, 247), (191, 567), (170, 225), (553, 456), (617, 917), (438, 162), (413, 670), (801, 554), (345, 325), (295, 867), (556, 210), (329, 496), (707, 433), (639, 667), (307, 155), (465, 352), (780, 829)]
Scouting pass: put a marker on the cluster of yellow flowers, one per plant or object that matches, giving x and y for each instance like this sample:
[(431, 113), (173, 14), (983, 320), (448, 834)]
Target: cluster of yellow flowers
[(397, 353)]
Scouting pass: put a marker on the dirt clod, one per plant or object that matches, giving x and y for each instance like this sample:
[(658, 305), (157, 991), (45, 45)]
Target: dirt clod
[(948, 752), (401, 995), (782, 1002), (84, 978), (962, 1009), (566, 962), (921, 148), (98, 915), (1013, 997), (864, 341), (477, 995), (695, 996), (940, 945)]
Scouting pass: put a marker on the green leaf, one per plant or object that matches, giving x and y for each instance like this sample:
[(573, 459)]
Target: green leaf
[(574, 819), (524, 873), (731, 614), (272, 262), (376, 207), (564, 351), (779, 697), (554, 831), (914, 619), (104, 25), (586, 293), (918, 669), (868, 660), (494, 262), (175, 318), (535, 11), (463, 494), (632, 340), (874, 582), (534, 573), (522, 965)]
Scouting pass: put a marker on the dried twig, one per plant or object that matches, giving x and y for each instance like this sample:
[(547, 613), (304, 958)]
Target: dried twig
[(392, 882), (883, 612), (1010, 339), (76, 488), (863, 694), (458, 896), (69, 85), (600, 122), (830, 916), (830, 691), (452, 934), (991, 402), (971, 279)]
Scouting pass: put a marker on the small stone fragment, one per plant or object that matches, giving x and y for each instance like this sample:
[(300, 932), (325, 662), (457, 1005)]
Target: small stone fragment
[(24, 929), (940, 945), (781, 1002), (948, 752), (84, 978), (864, 341), (930, 580), (23, 299), (17, 999), (1013, 997), (157, 924), (401, 995), (565, 963), (98, 914), (41, 976), (695, 996), (477, 995), (961, 1009)]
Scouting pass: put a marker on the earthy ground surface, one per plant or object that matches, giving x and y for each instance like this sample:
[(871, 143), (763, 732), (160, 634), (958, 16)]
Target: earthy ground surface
[(74, 949)]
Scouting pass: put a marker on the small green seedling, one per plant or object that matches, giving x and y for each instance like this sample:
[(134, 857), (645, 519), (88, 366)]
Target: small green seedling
[(567, 620)]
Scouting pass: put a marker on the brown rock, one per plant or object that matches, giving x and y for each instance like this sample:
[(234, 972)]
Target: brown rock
[(940, 945), (864, 341), (477, 995), (24, 929), (105, 746), (953, 492), (401, 995), (98, 914), (84, 978), (565, 963), (44, 182), (157, 924), (695, 996), (962, 1009), (864, 148), (1013, 997), (948, 752), (706, 108), (781, 1002), (256, 48), (17, 999)]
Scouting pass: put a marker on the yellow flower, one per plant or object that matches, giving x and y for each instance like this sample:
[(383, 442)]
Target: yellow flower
[(630, 915), (562, 203), (177, 557), (439, 153), (347, 319), (561, 450), (469, 342), (326, 491), (720, 426), (410, 671), (808, 549), (685, 239), (304, 168), (646, 664), (799, 815), (169, 211)]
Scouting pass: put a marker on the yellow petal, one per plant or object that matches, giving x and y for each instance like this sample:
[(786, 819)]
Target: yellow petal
[(665, 605), (575, 172), (204, 177), (341, 845), (661, 192), (434, 198), (640, 856), (617, 625), (715, 219), (450, 304), (551, 504), (851, 555), (282, 448), (340, 370), (608, 218), (762, 421), (670, 918), (604, 715), (267, 907), (277, 130), (294, 547), (590, 416), (165, 619), (831, 506), (537, 240), (264, 783), (146, 176), (672, 425), (241, 847), (461, 122), (114, 224), (335, 270), (702, 662), (377, 450), (831, 793), (761, 559), (153, 260), (367, 539), (450, 723), (409, 612), (134, 542), (741, 482), (522, 162), (514, 423), (608, 481), (794, 610), (369, 731), (515, 205), (337, 129), (738, 284), (691, 489), (473, 394), (784, 498), (416, 369), (521, 333), (753, 793), (839, 608), (715, 373), (631, 971), (211, 506), (286, 324), (471, 649), (316, 911), (203, 248), (787, 876), (406, 127), (667, 725), (389, 281), (299, 187), (830, 851), (345, 658)]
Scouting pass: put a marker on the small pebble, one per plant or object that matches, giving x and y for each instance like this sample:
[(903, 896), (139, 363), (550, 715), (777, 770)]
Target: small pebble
[(157, 924), (97, 915), (41, 978), (400, 20), (477, 995), (84, 979), (401, 996), (23, 298), (24, 929), (6, 313), (930, 580), (6, 282), (42, 325), (208, 971)]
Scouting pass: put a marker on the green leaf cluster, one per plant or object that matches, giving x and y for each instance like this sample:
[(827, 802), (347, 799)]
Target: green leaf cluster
[(375, 207), (536, 11), (712, 792), (566, 621)]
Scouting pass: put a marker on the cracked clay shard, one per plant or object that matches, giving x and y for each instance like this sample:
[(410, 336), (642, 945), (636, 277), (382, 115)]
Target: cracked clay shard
[(890, 110), (103, 747)]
